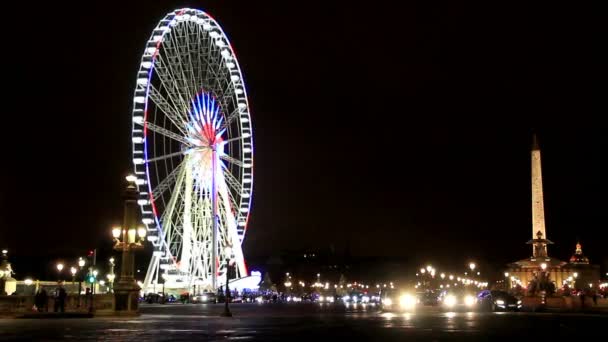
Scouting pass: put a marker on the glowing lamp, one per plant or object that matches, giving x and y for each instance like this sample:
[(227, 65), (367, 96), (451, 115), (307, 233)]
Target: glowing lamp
[(141, 232), (131, 235), (116, 232)]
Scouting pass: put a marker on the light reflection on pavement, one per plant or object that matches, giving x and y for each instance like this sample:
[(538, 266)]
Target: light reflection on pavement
[(310, 322)]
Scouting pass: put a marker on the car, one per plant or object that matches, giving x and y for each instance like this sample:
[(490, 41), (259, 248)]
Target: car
[(396, 300), (205, 297), (458, 300), (496, 300)]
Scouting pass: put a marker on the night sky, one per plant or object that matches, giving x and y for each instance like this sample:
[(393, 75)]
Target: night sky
[(396, 131)]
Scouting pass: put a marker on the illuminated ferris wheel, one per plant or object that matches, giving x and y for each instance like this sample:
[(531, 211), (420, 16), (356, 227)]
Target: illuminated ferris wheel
[(192, 151)]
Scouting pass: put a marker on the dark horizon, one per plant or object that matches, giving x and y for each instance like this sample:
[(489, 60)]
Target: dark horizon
[(399, 131)]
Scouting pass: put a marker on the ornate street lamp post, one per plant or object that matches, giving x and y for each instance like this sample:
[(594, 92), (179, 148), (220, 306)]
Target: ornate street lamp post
[(128, 239), (229, 262), (5, 272), (111, 276)]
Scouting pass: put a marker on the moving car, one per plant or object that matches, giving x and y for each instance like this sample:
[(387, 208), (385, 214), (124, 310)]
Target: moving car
[(458, 300), (498, 301), (205, 297), (396, 300)]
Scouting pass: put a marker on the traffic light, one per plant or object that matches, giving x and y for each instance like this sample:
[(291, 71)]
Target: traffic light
[(92, 256), (91, 279)]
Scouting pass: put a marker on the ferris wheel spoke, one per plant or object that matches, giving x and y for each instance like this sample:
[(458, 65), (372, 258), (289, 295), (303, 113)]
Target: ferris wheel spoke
[(170, 83), (166, 183), (166, 156), (167, 133), (179, 67), (232, 182), (169, 110), (230, 117), (231, 140), (232, 160)]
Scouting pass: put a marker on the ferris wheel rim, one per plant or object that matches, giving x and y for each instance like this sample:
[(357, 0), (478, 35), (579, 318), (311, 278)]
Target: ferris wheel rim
[(149, 209)]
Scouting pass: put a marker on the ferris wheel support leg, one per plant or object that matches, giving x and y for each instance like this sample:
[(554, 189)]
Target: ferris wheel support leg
[(214, 254), (187, 226), (151, 273)]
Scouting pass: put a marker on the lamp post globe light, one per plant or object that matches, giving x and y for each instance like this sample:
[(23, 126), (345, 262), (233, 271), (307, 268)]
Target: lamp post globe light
[(59, 269), (73, 271), (128, 239), (111, 276)]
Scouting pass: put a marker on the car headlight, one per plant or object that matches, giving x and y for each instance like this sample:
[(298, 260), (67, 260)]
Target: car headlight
[(204, 298), (449, 300), (407, 301), (519, 302), (321, 298), (355, 299), (469, 300), (346, 298), (500, 302), (387, 301)]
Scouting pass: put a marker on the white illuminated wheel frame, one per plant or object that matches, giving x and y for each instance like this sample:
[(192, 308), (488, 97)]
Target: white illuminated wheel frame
[(191, 117)]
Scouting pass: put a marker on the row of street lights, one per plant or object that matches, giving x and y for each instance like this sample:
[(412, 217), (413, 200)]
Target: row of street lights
[(93, 273)]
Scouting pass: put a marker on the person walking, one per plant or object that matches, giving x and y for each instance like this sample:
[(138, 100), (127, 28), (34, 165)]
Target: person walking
[(62, 296), (44, 301), (38, 301), (594, 298)]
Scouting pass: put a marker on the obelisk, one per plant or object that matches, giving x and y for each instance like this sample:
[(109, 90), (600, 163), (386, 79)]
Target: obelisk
[(539, 247)]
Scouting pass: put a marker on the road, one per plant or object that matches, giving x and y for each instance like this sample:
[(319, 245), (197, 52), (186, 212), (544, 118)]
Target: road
[(304, 322)]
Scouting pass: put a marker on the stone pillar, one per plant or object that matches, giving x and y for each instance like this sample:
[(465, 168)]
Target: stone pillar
[(126, 290)]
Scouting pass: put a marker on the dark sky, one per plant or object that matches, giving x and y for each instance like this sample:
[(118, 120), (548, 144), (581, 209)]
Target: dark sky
[(400, 131)]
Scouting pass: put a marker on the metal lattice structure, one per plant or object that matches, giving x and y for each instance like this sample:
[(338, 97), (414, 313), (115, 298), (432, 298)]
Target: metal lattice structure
[(192, 151)]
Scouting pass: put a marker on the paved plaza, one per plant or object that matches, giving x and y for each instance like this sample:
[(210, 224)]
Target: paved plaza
[(304, 322)]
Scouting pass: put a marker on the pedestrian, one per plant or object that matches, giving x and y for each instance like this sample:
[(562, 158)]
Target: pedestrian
[(62, 296), (44, 301), (582, 295), (594, 298), (56, 299), (38, 301)]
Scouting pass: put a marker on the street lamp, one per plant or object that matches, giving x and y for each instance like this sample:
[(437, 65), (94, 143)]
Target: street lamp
[(128, 239), (59, 269), (229, 261), (73, 270), (111, 275), (543, 266), (472, 266)]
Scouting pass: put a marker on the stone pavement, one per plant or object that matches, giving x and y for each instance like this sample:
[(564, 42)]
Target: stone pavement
[(282, 322)]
